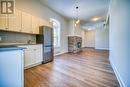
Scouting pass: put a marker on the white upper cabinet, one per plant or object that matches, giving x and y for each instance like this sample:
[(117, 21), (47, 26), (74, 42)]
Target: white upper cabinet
[(26, 23), (41, 23), (3, 22), (45, 23), (35, 25), (15, 21), (22, 22)]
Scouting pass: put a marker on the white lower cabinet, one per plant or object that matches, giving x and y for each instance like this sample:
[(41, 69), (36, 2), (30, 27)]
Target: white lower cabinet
[(38, 54), (29, 58), (33, 55)]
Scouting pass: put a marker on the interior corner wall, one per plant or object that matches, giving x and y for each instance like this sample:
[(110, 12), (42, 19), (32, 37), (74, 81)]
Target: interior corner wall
[(119, 40), (98, 38), (39, 10)]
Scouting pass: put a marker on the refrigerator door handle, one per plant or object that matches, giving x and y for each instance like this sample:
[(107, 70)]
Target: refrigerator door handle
[(48, 45)]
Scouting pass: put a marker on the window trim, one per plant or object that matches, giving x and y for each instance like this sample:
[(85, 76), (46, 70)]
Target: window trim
[(58, 35)]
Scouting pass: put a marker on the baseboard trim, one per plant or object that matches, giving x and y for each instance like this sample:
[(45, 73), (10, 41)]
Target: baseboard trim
[(27, 67), (89, 47), (102, 49), (122, 84), (60, 53)]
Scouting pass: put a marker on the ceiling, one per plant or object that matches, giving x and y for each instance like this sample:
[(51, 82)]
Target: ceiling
[(88, 9)]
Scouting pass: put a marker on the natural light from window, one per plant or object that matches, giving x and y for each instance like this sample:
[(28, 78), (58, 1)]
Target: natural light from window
[(56, 32)]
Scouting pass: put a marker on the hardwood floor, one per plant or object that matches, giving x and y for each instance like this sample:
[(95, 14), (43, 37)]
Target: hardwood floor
[(90, 68)]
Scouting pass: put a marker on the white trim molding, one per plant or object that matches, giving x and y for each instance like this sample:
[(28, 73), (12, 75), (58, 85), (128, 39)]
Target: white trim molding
[(122, 84), (60, 53)]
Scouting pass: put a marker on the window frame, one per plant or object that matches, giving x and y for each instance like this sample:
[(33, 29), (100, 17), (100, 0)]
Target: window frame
[(56, 23)]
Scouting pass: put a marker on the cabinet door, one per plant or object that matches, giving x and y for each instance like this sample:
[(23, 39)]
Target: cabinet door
[(3, 22), (15, 21), (39, 54), (41, 23), (33, 55), (35, 25), (29, 58), (26, 23), (45, 23)]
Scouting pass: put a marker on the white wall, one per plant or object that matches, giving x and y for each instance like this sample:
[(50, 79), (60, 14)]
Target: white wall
[(120, 39), (89, 38), (78, 30), (98, 37), (71, 30), (35, 8), (74, 31), (102, 38), (83, 38)]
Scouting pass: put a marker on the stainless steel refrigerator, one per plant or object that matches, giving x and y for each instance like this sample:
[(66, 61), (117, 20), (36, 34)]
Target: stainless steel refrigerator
[(46, 38)]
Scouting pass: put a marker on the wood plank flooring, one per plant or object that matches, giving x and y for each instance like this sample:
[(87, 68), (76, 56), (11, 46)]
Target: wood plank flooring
[(90, 68)]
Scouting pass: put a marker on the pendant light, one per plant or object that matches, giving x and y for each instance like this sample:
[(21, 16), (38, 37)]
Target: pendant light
[(77, 16), (77, 21)]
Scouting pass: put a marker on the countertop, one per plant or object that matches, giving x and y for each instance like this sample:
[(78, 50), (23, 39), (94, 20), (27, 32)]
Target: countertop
[(9, 48), (16, 44), (13, 46)]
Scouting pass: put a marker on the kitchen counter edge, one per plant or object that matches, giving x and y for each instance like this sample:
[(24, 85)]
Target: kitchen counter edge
[(11, 48)]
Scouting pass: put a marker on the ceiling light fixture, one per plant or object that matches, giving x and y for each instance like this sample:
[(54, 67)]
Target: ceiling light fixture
[(95, 19), (77, 16), (89, 29), (77, 21)]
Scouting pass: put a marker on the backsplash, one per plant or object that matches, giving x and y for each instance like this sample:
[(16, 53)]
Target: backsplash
[(11, 37)]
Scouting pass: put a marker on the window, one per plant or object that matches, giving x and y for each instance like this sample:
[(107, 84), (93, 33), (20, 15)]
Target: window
[(56, 30)]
